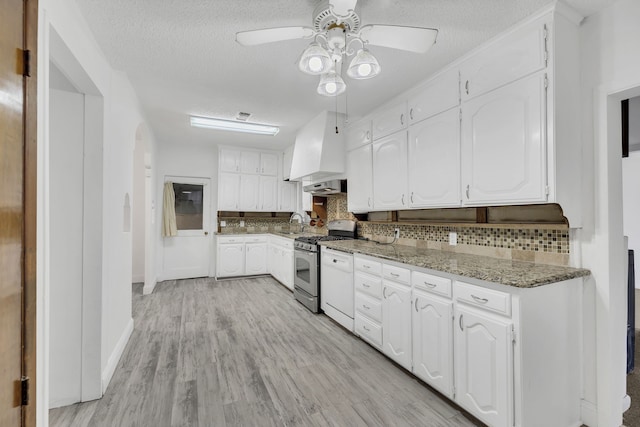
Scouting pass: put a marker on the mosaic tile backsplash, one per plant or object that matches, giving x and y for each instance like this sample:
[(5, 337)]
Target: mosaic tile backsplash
[(544, 244)]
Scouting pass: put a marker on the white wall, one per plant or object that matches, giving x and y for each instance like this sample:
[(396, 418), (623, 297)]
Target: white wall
[(185, 160), (138, 212), (631, 200), (121, 117), (610, 63), (66, 192)]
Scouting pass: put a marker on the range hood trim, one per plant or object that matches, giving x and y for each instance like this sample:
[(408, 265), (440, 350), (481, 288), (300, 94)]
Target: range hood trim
[(334, 186)]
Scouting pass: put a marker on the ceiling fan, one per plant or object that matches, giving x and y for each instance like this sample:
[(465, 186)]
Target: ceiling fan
[(337, 33)]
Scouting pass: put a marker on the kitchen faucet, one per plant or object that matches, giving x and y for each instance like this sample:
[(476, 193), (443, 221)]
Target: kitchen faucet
[(301, 222)]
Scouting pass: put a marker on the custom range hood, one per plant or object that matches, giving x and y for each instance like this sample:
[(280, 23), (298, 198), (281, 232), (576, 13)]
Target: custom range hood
[(334, 186), (319, 153)]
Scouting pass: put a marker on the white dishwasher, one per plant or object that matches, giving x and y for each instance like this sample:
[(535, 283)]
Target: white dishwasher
[(336, 286)]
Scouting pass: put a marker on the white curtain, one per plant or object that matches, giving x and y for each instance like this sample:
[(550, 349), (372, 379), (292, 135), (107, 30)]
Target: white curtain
[(169, 228)]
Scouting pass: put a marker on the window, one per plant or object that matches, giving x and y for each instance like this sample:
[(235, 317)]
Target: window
[(188, 206)]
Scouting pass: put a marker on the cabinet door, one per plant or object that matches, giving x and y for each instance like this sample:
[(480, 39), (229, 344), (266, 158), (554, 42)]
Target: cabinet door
[(228, 192), (250, 162), (484, 366), (440, 94), (389, 121), (269, 164), (396, 322), (231, 260), (515, 56), (504, 145), (256, 258), (359, 134), (390, 172), (287, 268), (359, 179), (229, 160), (288, 196), (434, 161), (249, 192), (287, 159), (433, 341), (268, 193)]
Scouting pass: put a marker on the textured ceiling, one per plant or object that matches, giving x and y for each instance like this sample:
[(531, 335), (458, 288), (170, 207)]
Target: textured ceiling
[(182, 58)]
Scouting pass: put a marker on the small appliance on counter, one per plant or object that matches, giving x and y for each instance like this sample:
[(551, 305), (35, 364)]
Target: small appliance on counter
[(306, 279)]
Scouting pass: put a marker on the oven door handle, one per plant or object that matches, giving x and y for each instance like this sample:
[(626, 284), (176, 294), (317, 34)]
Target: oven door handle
[(307, 254)]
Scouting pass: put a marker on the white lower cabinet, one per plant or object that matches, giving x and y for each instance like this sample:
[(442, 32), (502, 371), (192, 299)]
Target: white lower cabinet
[(396, 322), (230, 259), (484, 365), (433, 340), (256, 258), (368, 300), (281, 260)]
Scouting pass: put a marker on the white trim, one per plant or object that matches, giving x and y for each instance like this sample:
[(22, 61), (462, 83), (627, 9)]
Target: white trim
[(626, 403), (112, 364), (589, 413), (138, 279), (148, 288)]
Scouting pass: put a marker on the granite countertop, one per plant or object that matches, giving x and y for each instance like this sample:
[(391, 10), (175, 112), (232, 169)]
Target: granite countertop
[(520, 274)]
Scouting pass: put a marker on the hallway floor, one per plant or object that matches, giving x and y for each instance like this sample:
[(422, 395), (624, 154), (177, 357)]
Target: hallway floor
[(245, 353)]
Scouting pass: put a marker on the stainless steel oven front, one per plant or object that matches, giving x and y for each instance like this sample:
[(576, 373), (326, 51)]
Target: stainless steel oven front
[(305, 280)]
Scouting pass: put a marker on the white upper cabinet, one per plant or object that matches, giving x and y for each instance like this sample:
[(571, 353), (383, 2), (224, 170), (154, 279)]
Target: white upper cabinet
[(359, 134), (287, 159), (503, 144), (359, 179), (288, 197), (268, 193), (434, 161), (512, 57), (390, 120), (269, 164), (229, 186), (229, 160), (249, 195), (250, 162), (440, 94), (390, 172)]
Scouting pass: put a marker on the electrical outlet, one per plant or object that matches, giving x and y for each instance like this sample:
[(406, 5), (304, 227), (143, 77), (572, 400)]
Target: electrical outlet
[(223, 223), (241, 223), (453, 239), (396, 233)]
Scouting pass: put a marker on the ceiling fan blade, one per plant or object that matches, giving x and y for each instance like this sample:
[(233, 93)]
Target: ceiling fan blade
[(412, 39), (343, 7), (270, 35)]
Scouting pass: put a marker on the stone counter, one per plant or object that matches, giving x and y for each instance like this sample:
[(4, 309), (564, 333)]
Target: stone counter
[(507, 272)]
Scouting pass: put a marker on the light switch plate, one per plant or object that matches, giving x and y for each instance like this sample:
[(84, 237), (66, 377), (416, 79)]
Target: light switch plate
[(241, 223), (223, 223), (453, 239)]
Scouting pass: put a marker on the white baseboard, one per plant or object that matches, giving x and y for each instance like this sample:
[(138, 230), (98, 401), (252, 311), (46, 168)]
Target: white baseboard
[(148, 288), (589, 413), (112, 364)]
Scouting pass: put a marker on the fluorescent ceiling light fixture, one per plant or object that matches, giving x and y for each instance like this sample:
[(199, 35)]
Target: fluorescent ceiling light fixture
[(234, 126)]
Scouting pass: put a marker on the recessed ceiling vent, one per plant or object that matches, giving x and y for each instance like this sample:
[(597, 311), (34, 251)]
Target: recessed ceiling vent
[(243, 117)]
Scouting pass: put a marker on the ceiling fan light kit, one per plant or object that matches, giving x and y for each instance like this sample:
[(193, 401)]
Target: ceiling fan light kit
[(336, 26)]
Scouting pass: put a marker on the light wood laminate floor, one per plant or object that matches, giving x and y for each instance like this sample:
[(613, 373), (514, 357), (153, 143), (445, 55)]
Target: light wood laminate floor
[(245, 353)]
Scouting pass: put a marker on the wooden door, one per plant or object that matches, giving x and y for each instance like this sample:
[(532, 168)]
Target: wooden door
[(18, 25)]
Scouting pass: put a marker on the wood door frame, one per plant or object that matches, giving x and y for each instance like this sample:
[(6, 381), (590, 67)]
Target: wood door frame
[(30, 210)]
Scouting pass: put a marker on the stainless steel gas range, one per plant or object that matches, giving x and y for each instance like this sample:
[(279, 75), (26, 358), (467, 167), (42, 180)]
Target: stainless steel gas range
[(307, 262)]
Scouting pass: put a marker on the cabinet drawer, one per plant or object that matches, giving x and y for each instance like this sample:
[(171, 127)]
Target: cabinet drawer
[(230, 239), (431, 283), (369, 285), (368, 266), (369, 306), (368, 330), (255, 239), (499, 302), (397, 274)]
